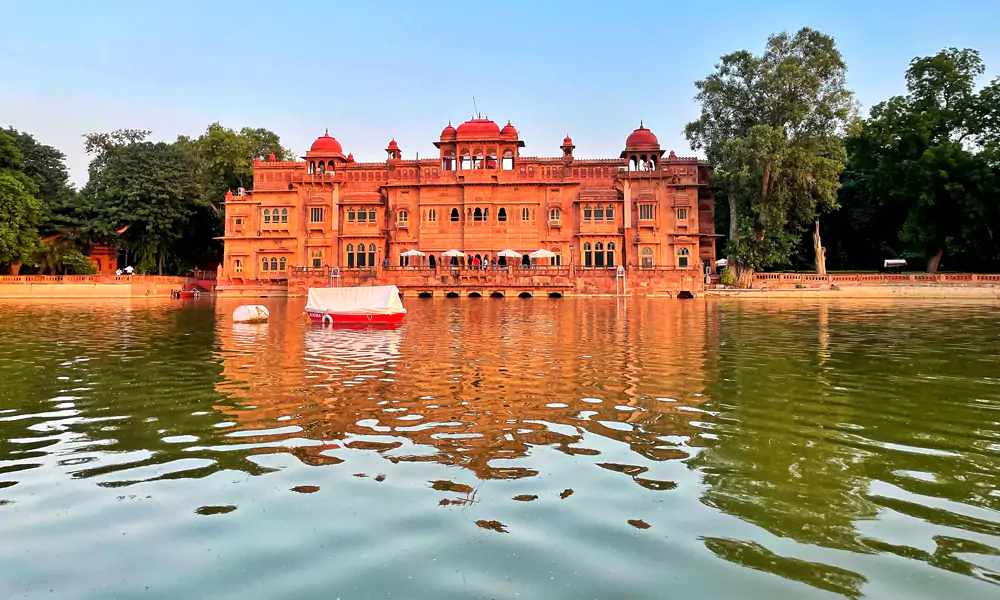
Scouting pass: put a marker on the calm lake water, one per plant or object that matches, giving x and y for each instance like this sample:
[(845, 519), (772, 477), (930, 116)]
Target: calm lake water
[(576, 448)]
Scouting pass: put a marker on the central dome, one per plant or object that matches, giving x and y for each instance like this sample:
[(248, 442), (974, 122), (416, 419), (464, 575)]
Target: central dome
[(325, 143), (642, 139), (478, 129)]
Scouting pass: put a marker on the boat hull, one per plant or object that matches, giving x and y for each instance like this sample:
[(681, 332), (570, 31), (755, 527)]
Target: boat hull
[(354, 320)]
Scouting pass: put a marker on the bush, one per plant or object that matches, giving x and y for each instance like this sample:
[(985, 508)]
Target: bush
[(76, 263), (726, 277)]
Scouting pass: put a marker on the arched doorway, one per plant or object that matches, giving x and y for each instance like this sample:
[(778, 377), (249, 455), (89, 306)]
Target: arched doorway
[(502, 262), (430, 261), (525, 260)]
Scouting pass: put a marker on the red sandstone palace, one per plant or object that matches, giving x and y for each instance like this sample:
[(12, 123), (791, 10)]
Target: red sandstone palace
[(481, 195)]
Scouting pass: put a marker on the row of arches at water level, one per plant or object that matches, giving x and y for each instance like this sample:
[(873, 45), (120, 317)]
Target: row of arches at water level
[(495, 294)]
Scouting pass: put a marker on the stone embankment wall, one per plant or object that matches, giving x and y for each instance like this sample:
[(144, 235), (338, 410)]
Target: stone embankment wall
[(90, 286)]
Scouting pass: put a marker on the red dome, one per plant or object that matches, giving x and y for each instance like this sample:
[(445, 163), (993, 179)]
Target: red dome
[(567, 141), (393, 145), (326, 144), (479, 128), (508, 131), (448, 133), (642, 138)]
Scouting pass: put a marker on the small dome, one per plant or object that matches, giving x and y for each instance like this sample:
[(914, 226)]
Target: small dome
[(478, 129), (326, 144), (393, 145), (350, 157), (448, 133), (567, 141), (508, 131), (642, 138)]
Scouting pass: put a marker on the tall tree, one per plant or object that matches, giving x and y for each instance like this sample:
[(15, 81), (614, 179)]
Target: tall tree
[(47, 168), (20, 208), (929, 157), (228, 155), (772, 125), (150, 188)]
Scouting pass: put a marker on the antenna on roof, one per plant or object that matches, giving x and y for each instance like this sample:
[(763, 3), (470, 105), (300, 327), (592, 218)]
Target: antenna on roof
[(474, 105)]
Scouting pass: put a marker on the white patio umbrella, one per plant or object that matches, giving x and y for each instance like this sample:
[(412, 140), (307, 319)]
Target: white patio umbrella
[(453, 253), (413, 252), (722, 263), (543, 253), (509, 253)]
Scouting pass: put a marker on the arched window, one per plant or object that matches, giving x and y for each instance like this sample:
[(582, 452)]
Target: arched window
[(464, 160), (525, 214), (477, 158), (321, 168), (263, 263), (652, 163), (329, 166), (588, 213), (611, 254), (491, 160), (588, 255), (371, 255), (454, 215), (312, 167), (609, 213), (432, 216), (350, 256), (238, 265), (361, 262), (371, 215), (448, 161), (477, 215), (502, 215), (633, 163), (682, 257), (274, 264), (554, 215), (350, 215), (647, 258), (362, 216), (267, 216), (507, 163), (284, 215), (599, 254), (282, 264), (402, 216), (317, 258)]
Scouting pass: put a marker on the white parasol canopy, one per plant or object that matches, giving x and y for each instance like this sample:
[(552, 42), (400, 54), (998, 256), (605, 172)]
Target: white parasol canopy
[(453, 253), (413, 252), (543, 253), (722, 263), (508, 253)]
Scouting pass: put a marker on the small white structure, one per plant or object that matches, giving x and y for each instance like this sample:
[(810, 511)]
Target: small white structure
[(250, 313), (543, 253), (894, 262), (453, 254), (508, 253), (412, 253)]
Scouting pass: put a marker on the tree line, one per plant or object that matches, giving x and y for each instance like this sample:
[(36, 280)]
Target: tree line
[(158, 201), (918, 179), (802, 181)]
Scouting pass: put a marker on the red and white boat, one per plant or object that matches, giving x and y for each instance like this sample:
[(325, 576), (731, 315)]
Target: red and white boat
[(356, 306)]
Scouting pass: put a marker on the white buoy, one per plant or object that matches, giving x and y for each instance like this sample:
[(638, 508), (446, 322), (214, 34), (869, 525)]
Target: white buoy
[(250, 313)]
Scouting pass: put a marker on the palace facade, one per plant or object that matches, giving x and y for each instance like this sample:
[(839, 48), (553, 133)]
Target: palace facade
[(646, 208)]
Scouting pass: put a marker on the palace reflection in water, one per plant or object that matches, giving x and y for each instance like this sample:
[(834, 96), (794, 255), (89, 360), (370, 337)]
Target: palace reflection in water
[(546, 448)]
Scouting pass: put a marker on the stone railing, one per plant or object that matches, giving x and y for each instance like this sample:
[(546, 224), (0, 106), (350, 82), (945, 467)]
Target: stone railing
[(781, 280), (122, 279)]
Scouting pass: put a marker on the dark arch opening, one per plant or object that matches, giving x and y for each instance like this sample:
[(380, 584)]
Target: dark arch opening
[(425, 295), (685, 295), (524, 295), (496, 294), (451, 295), (475, 295), (555, 295)]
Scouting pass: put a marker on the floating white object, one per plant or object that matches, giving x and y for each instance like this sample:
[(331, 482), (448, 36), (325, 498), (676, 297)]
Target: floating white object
[(250, 313)]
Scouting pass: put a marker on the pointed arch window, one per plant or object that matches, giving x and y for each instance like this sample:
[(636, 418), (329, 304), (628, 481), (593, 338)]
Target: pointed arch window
[(350, 215), (432, 216), (267, 215), (502, 215), (317, 258), (274, 264), (282, 263), (611, 254), (646, 258), (350, 256), (598, 213), (599, 254), (371, 255), (284, 215), (588, 255), (454, 215), (588, 213), (263, 263), (525, 214), (362, 216), (609, 212), (477, 215)]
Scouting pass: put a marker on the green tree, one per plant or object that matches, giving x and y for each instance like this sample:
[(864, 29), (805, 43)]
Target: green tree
[(47, 168), (146, 192), (228, 155), (772, 125), (928, 159), (20, 208)]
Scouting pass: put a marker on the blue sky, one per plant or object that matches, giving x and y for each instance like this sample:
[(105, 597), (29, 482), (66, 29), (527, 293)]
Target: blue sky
[(377, 70)]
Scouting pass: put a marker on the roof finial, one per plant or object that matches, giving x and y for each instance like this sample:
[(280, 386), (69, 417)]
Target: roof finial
[(640, 123), (327, 132)]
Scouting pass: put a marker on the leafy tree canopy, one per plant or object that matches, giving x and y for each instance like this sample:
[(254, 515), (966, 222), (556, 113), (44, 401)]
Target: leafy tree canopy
[(20, 208)]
